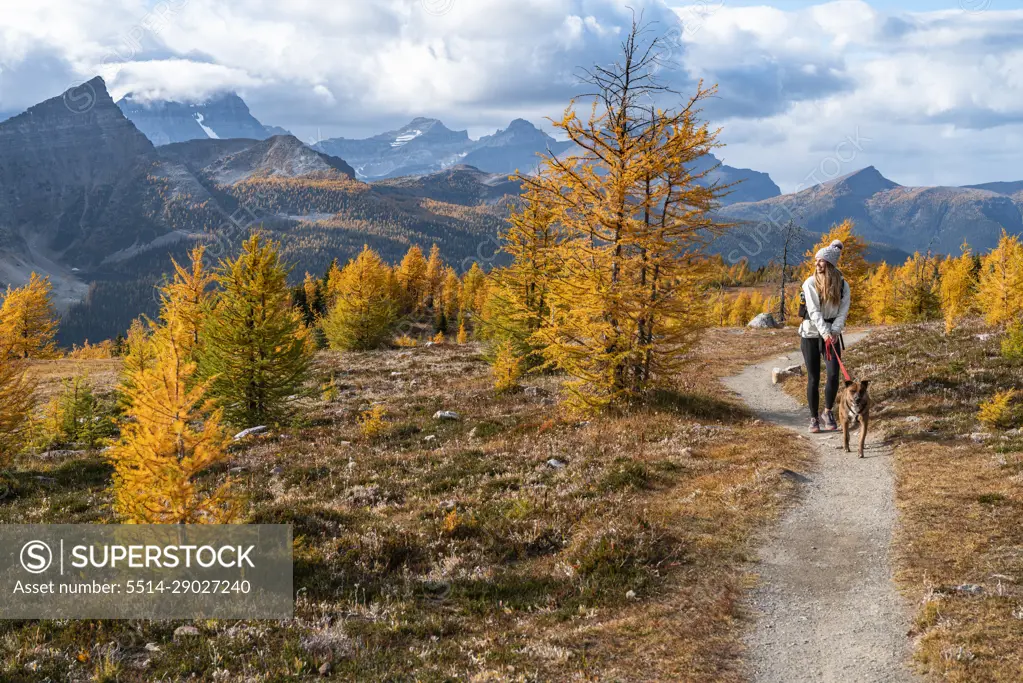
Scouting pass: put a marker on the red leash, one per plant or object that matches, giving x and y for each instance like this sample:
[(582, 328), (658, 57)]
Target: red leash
[(829, 348)]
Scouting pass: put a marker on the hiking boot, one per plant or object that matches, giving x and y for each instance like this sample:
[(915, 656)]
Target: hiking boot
[(815, 425), (829, 421)]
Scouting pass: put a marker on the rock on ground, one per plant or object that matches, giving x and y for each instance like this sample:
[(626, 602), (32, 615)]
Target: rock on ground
[(764, 321)]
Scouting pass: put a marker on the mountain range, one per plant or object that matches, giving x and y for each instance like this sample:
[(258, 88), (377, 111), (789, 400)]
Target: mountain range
[(221, 117), (896, 218), (89, 200)]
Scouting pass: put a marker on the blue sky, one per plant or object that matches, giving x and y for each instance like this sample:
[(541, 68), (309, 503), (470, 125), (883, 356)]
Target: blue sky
[(930, 90)]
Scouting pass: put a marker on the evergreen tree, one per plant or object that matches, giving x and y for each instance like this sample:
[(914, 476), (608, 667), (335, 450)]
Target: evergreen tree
[(257, 351), (1001, 281), (517, 304), (364, 312), (28, 321)]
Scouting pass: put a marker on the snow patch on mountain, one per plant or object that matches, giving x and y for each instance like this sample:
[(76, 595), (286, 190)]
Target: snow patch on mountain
[(206, 129), (406, 137)]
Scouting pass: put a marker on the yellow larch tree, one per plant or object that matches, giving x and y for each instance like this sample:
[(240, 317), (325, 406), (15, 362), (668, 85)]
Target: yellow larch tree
[(189, 292), (741, 310), (451, 293), (169, 434), (28, 321), (958, 286), (434, 276), (880, 295), (917, 289), (364, 311), (17, 392), (474, 284), (628, 296), (1000, 282), (411, 274)]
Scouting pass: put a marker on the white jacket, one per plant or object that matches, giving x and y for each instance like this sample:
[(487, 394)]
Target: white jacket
[(814, 326)]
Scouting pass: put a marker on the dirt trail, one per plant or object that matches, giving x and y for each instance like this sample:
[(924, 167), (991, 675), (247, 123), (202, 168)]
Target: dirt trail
[(826, 607)]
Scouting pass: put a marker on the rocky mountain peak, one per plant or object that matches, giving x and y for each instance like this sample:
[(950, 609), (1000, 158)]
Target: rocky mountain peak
[(222, 116), (864, 182)]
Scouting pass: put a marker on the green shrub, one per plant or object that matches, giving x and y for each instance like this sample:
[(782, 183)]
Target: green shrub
[(77, 417), (1012, 343)]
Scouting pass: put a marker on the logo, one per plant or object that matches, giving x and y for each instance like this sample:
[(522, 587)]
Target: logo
[(80, 98), (36, 557)]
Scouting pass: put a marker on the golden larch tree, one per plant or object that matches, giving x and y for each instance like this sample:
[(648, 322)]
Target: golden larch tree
[(627, 300), (917, 295), (1000, 282), (434, 276), (28, 321), (169, 434), (17, 392), (411, 274), (958, 286), (189, 292), (880, 295), (451, 293), (364, 311)]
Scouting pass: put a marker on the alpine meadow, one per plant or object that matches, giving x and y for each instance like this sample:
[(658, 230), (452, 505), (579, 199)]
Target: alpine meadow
[(527, 404)]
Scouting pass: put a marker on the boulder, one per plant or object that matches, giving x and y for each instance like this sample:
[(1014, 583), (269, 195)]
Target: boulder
[(764, 321), (779, 374), (446, 415), (182, 631)]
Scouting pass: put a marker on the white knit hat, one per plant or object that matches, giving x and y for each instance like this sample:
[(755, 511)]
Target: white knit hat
[(831, 253)]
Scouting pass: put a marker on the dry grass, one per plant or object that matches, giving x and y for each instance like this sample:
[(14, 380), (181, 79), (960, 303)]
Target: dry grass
[(513, 544), (51, 374), (959, 493)]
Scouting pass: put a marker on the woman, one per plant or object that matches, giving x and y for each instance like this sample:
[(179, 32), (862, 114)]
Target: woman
[(827, 299)]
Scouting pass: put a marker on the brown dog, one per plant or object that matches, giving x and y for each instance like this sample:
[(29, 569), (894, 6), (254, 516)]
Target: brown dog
[(854, 405)]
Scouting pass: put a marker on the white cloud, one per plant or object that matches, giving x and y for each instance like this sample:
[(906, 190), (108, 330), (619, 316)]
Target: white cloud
[(939, 94)]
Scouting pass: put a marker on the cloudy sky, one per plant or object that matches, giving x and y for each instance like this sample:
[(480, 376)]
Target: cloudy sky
[(928, 91)]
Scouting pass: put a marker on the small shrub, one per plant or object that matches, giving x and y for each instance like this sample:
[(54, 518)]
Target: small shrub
[(462, 337), (451, 522), (405, 342), (371, 422), (76, 416), (998, 413), (438, 338), (329, 391), (507, 369), (103, 350), (1012, 343)]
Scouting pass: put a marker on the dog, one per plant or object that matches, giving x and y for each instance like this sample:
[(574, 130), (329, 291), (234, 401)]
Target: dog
[(854, 406)]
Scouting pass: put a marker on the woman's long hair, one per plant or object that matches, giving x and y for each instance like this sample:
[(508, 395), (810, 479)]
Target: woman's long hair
[(829, 284)]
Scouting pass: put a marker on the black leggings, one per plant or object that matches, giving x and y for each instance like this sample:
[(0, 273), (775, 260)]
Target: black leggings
[(813, 350)]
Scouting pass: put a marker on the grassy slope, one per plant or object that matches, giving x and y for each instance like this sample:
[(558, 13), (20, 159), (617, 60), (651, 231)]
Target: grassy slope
[(960, 498), (528, 578)]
